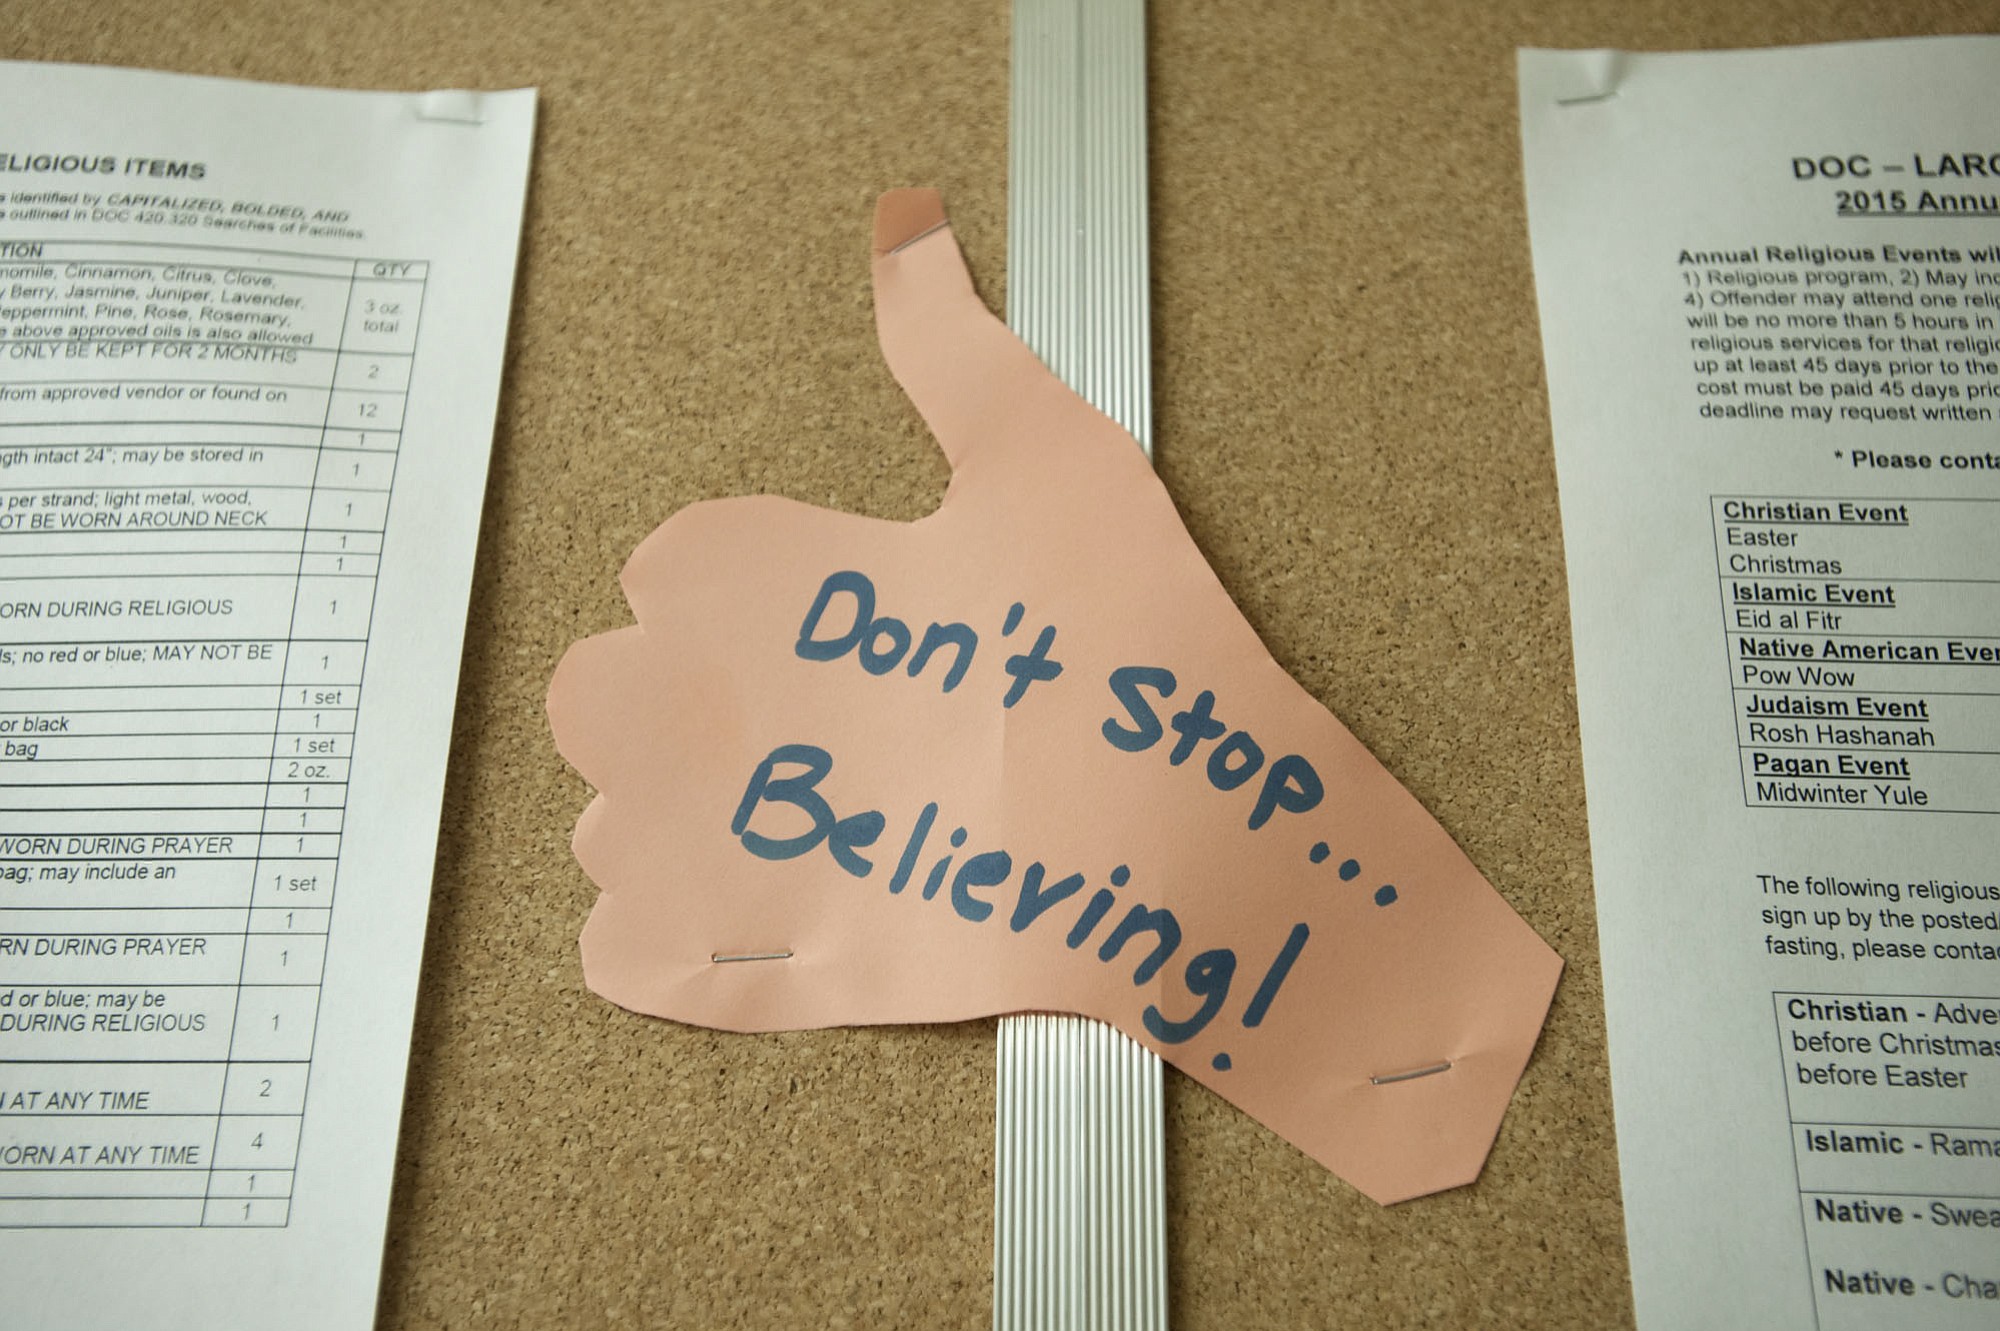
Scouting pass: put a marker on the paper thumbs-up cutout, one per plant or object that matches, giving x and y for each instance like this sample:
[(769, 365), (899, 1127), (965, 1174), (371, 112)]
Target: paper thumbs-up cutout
[(1026, 754)]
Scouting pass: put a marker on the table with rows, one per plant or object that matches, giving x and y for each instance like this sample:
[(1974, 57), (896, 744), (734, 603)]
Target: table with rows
[(198, 447)]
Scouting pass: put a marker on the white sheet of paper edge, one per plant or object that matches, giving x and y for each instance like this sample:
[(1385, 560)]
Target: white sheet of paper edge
[(438, 178), (1629, 160)]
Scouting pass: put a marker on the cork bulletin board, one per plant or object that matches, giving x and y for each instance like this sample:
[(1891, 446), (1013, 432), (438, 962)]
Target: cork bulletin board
[(1351, 419)]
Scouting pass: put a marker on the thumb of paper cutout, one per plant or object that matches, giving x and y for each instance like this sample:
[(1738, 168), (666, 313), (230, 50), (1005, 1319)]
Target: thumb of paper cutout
[(1026, 754)]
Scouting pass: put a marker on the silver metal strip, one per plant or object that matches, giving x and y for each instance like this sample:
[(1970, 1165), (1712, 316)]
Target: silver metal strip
[(1079, 1209), (1077, 262)]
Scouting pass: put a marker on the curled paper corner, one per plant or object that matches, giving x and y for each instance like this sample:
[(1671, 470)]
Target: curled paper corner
[(1025, 754), (1581, 77), (456, 106), (905, 216)]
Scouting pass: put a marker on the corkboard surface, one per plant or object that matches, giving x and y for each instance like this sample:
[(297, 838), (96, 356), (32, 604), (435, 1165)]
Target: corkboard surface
[(1351, 417)]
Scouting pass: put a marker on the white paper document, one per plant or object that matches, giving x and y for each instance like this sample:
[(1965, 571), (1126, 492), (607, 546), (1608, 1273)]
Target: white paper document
[(1770, 302), (250, 346)]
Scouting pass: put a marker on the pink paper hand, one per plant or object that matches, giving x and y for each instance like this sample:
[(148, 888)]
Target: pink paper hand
[(1026, 754)]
